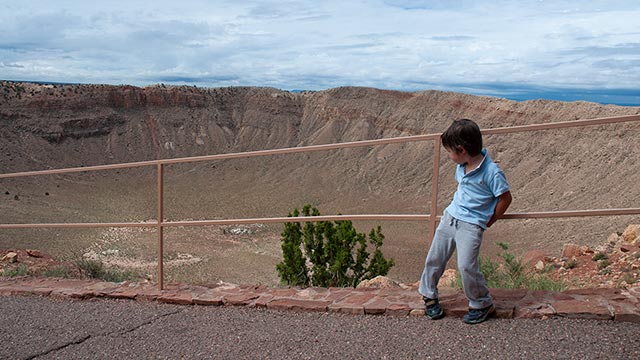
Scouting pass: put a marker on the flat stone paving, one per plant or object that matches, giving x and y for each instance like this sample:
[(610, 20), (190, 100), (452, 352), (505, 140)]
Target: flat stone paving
[(600, 304)]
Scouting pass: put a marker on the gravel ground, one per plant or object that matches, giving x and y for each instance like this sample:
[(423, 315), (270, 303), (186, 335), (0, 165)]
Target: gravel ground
[(42, 328)]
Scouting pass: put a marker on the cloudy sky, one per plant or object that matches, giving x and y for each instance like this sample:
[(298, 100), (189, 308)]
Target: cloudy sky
[(566, 50)]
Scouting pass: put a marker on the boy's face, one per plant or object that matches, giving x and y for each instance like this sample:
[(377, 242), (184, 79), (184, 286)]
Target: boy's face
[(458, 156)]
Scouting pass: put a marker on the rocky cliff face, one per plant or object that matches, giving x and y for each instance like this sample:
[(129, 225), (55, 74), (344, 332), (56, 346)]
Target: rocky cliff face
[(55, 126)]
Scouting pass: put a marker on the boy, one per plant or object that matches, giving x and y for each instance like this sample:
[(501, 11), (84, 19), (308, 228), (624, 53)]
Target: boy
[(482, 197)]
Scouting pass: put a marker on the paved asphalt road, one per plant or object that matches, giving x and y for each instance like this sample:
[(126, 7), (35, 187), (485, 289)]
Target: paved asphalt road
[(43, 328)]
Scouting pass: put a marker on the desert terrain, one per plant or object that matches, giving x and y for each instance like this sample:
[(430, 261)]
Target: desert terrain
[(57, 126)]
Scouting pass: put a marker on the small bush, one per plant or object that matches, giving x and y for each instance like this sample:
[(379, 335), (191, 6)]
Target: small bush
[(329, 254), (21, 270), (603, 264), (95, 269), (543, 282), (629, 278), (59, 271), (599, 256), (571, 264)]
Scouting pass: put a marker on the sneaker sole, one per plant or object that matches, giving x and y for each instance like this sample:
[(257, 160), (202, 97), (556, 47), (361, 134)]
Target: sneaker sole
[(437, 316), (482, 319)]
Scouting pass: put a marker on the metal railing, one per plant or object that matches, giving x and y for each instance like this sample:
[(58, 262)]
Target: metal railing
[(432, 217)]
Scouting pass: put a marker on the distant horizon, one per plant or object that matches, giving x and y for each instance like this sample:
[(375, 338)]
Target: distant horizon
[(568, 50), (620, 97)]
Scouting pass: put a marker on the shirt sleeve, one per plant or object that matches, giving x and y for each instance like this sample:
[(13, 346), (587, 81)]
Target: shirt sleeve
[(499, 184)]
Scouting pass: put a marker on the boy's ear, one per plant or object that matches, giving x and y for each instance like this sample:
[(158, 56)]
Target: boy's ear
[(460, 149)]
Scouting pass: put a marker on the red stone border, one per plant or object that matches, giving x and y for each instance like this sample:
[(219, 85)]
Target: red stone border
[(601, 304)]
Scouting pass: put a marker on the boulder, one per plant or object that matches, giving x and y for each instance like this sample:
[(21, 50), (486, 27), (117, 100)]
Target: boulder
[(613, 238), (586, 250), (35, 253), (11, 257), (532, 257), (379, 282), (631, 234), (571, 250), (448, 278)]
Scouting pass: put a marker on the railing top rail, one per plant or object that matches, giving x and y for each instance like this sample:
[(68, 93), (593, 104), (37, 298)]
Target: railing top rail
[(561, 125), (325, 147), (356, 217)]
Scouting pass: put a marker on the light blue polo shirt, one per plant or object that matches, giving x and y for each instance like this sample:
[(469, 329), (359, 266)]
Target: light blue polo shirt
[(477, 194)]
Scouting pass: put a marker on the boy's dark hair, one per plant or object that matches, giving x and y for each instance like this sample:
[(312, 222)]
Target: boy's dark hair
[(465, 133)]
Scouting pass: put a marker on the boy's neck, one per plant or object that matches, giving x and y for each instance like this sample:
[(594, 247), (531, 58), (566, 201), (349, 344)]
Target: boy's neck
[(473, 163)]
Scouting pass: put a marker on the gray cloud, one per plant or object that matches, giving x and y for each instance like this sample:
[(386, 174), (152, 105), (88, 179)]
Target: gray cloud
[(399, 44)]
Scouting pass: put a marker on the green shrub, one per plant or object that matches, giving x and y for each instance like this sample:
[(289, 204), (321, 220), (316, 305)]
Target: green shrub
[(629, 278), (21, 270), (95, 269), (571, 264), (599, 256), (58, 271), (328, 253)]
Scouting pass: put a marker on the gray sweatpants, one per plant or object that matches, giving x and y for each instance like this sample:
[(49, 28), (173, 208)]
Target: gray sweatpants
[(453, 234)]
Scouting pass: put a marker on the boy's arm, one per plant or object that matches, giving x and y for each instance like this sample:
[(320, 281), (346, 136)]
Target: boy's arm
[(504, 201)]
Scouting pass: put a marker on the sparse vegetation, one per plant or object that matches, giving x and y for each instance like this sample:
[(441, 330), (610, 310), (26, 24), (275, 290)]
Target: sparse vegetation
[(59, 271), (329, 254), (95, 269), (599, 256), (511, 274), (20, 270), (571, 264), (603, 264), (629, 278)]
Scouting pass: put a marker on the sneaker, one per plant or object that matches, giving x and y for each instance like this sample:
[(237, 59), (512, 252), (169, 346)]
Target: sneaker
[(432, 308), (476, 316)]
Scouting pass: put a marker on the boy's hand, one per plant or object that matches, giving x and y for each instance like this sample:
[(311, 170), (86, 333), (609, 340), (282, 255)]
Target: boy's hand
[(504, 201)]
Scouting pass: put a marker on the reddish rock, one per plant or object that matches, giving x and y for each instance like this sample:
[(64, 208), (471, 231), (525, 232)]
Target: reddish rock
[(631, 233), (283, 292), (208, 297), (35, 253), (505, 310), (398, 310), (11, 257), (240, 299), (589, 309), (379, 282), (625, 312), (531, 258), (337, 294), (312, 293), (571, 250), (376, 306), (506, 300), (586, 250), (298, 305), (357, 299), (123, 293), (534, 311), (263, 300), (352, 309), (176, 297), (71, 293), (102, 288)]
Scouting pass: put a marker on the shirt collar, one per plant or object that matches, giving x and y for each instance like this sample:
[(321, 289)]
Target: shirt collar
[(485, 155)]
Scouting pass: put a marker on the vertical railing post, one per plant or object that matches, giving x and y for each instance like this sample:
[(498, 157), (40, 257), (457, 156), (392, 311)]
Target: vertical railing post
[(433, 218), (160, 227)]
